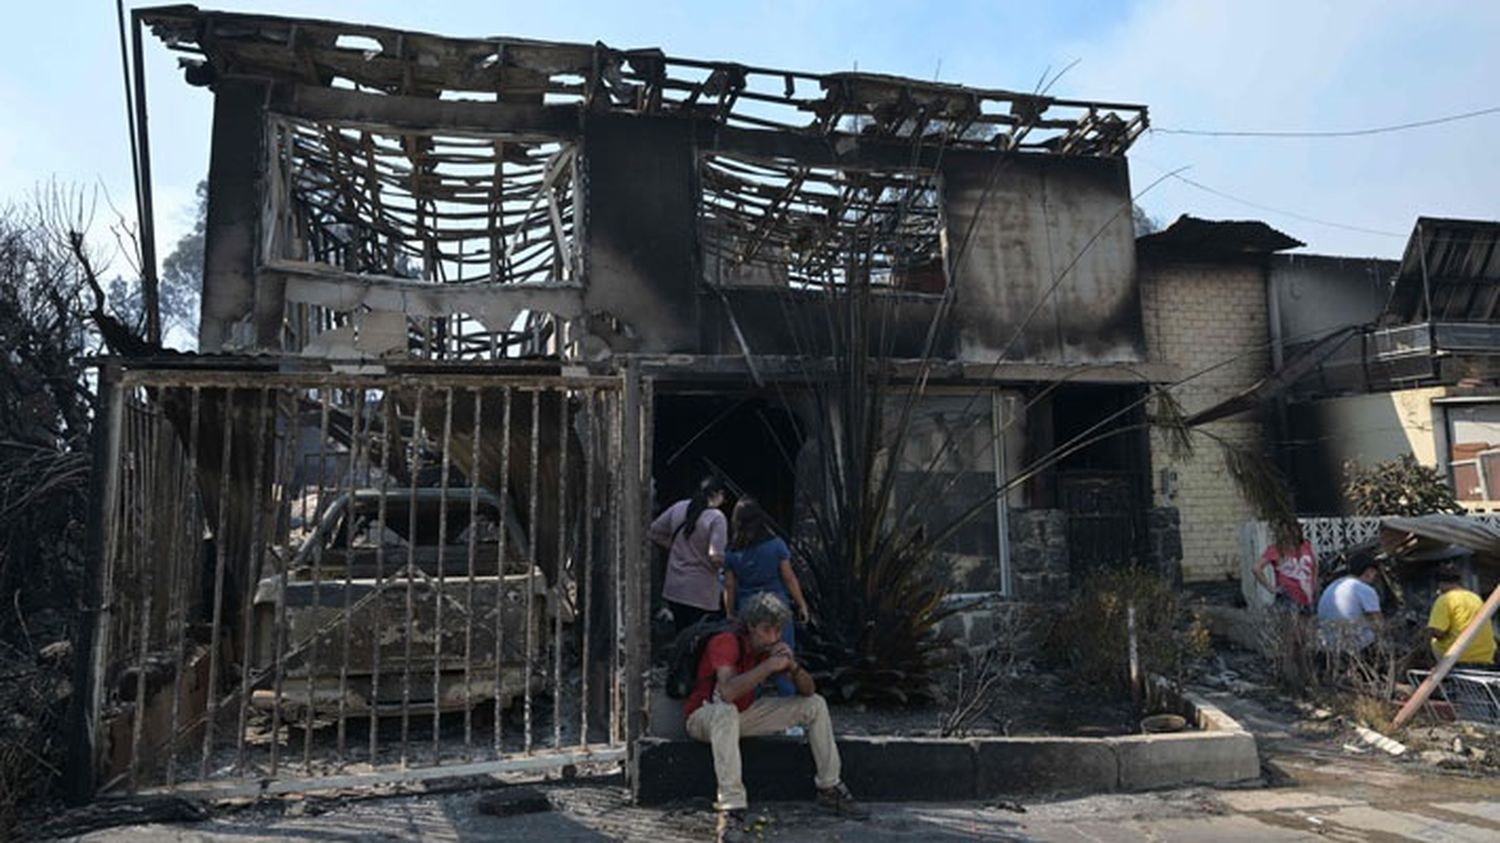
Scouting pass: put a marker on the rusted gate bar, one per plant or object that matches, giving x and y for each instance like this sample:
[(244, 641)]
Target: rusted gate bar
[(287, 476), (505, 504), (531, 560), (94, 624), (632, 507)]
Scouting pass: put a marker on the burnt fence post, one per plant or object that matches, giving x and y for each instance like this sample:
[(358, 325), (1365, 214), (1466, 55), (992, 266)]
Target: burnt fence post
[(81, 762)]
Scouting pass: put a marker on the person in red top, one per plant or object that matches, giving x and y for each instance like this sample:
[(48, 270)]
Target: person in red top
[(723, 706), (1296, 570)]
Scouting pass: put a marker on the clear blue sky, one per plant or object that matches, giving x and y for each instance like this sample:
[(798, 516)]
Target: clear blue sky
[(1195, 63)]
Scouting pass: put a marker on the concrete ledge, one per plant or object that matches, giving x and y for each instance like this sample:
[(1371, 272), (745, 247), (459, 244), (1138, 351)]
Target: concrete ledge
[(1045, 765), (1151, 762), (892, 769), (882, 769)]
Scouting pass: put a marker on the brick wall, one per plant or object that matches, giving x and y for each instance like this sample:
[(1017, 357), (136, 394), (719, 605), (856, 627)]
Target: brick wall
[(1198, 316)]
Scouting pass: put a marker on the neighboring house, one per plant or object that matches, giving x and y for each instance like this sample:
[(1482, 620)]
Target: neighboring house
[(1365, 373), (1423, 379)]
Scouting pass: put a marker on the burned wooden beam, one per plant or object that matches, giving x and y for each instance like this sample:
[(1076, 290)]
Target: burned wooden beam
[(523, 74)]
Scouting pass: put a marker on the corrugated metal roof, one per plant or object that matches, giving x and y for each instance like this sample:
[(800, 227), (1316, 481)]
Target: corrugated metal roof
[(1461, 262), (1448, 529)]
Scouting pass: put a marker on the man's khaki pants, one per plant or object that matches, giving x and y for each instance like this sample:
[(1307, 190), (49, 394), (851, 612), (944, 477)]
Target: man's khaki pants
[(722, 725)]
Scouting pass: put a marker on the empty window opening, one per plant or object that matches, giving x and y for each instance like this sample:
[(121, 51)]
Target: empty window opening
[(424, 206)]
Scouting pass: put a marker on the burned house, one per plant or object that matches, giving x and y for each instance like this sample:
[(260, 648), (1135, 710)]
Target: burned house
[(564, 281)]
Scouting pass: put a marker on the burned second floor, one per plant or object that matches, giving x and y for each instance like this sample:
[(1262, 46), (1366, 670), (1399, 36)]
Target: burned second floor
[(375, 191)]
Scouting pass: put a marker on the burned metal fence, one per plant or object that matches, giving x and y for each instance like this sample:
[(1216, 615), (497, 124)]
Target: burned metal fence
[(316, 580)]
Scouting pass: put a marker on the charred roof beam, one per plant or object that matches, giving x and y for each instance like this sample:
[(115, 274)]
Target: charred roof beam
[(519, 73)]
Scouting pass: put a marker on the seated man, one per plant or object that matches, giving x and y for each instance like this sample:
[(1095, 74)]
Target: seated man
[(723, 706), (1350, 608), (1452, 612)]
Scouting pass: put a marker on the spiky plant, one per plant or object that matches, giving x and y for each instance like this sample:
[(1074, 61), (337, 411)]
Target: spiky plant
[(878, 603)]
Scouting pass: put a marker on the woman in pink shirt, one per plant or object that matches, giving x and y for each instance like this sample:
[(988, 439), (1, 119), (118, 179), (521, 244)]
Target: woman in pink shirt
[(1295, 571), (694, 532)]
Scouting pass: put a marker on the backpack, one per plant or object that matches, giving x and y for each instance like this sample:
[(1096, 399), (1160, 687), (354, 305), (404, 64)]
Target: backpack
[(687, 651)]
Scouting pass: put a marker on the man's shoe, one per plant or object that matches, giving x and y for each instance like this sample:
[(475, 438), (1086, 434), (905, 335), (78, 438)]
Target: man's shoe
[(731, 826), (838, 800)]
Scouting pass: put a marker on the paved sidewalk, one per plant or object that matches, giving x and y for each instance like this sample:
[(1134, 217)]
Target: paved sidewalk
[(583, 812)]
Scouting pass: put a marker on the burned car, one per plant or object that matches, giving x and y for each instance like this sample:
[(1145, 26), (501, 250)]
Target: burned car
[(402, 600)]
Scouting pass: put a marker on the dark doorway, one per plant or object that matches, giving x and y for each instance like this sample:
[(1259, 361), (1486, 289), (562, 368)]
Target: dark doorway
[(1102, 487), (753, 441)]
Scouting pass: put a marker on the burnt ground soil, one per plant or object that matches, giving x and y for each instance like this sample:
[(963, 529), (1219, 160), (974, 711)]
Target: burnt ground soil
[(1033, 704)]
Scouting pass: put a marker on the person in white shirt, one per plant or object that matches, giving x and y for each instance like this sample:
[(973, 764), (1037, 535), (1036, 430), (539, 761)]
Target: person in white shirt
[(1349, 609)]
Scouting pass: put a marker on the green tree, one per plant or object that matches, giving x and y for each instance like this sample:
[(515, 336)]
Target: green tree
[(1401, 486), (181, 283), (1143, 222)]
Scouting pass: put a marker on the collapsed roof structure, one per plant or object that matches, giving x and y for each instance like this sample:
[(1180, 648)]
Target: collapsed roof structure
[(403, 156)]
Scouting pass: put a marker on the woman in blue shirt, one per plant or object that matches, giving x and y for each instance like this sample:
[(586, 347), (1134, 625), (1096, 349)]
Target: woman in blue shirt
[(757, 561)]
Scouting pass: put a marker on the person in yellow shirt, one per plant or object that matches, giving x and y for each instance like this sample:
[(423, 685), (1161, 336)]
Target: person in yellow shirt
[(1454, 608)]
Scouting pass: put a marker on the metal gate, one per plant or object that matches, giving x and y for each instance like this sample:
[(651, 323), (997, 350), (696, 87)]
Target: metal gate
[(1104, 513), (328, 580)]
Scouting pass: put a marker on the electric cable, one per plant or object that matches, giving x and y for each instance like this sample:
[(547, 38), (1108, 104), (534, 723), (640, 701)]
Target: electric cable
[(1329, 133)]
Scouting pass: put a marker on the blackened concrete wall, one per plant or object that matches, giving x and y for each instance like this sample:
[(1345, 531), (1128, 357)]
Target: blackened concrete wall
[(1042, 218), (231, 294), (639, 223)]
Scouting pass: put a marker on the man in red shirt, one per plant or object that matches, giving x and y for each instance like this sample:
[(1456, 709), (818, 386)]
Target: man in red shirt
[(724, 707)]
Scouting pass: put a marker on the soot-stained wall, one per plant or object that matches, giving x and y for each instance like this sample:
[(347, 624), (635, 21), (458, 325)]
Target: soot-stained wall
[(1043, 217), (639, 229)]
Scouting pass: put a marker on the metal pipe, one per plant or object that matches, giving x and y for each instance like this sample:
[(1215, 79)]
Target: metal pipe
[(146, 484), (1002, 501), (440, 596), (558, 591), (505, 522), (356, 434), (135, 155), (531, 546), (410, 573), (251, 572), (619, 488), (475, 454), (150, 298), (585, 581), (194, 532), (220, 542), (1136, 688), (287, 477), (636, 461), (389, 418), (412, 377), (324, 503)]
